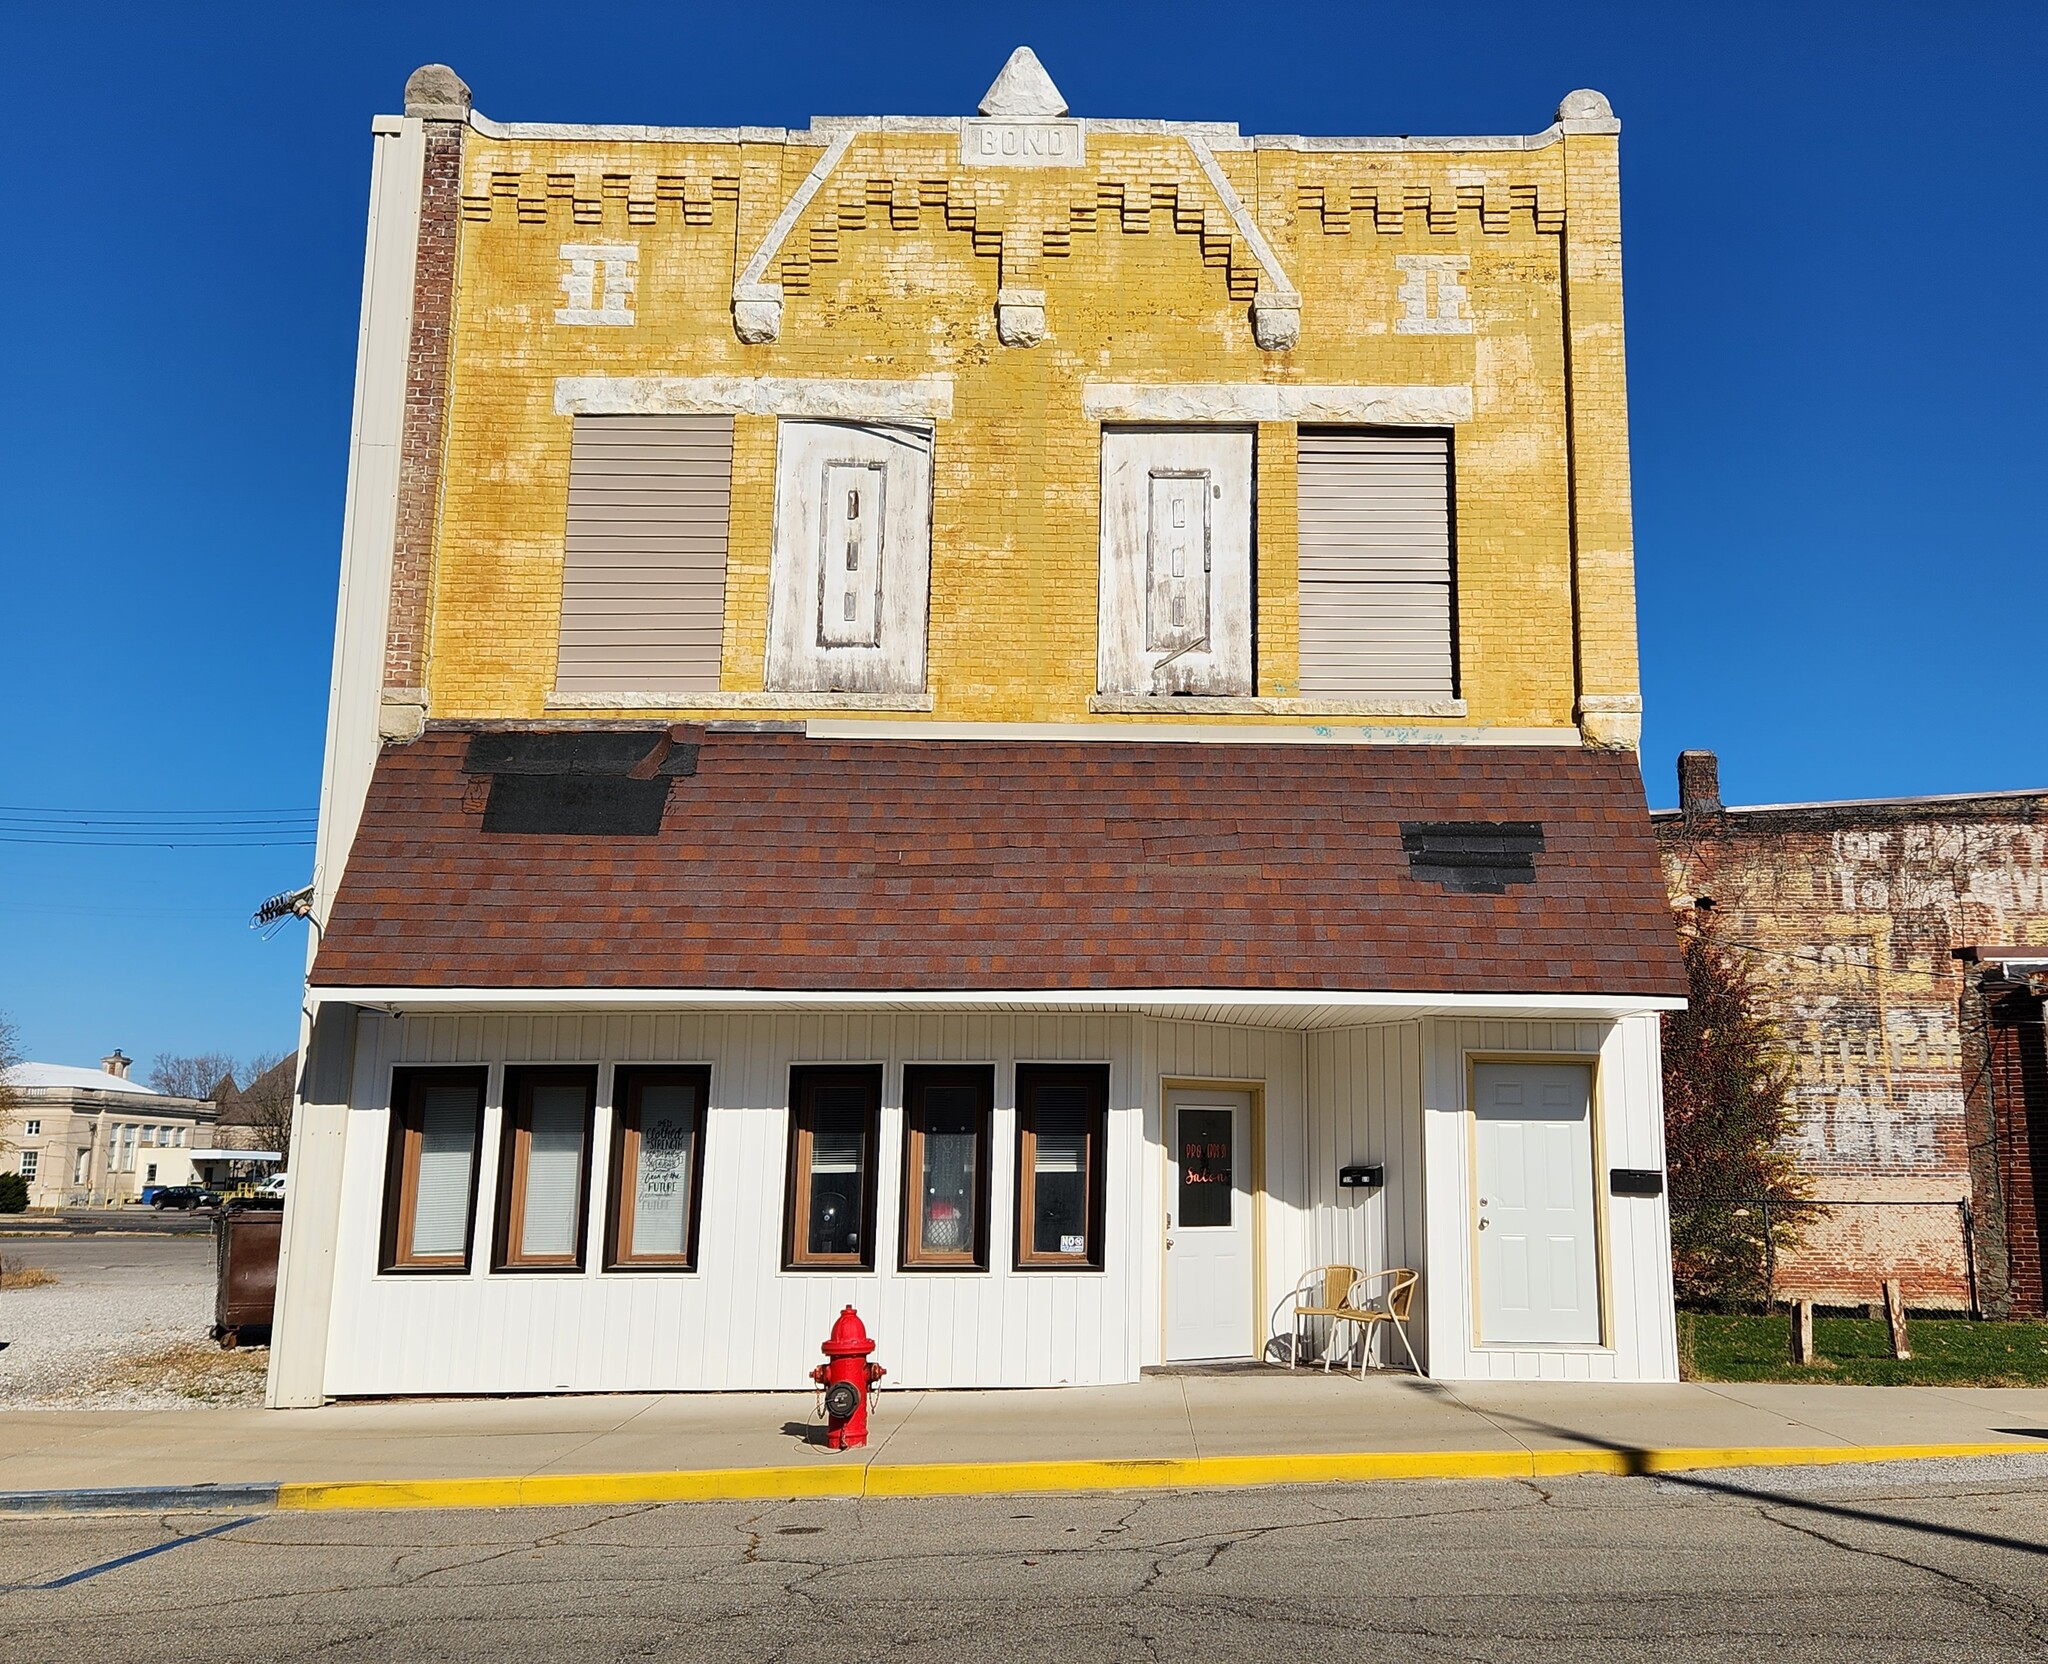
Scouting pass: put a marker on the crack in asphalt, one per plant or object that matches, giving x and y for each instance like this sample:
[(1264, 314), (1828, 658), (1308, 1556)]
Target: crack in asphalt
[(1994, 1597), (1150, 1587)]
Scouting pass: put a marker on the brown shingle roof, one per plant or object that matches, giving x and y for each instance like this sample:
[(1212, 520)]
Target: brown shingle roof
[(791, 863)]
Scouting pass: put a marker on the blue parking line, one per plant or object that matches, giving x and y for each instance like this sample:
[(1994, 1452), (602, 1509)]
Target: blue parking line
[(119, 1561)]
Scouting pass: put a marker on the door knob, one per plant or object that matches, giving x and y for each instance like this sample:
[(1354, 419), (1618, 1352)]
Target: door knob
[(1482, 1224)]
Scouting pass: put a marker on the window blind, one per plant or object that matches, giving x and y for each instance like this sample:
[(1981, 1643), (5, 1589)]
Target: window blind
[(440, 1224), (554, 1165)]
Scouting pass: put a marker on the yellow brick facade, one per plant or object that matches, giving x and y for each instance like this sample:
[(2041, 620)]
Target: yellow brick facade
[(892, 272)]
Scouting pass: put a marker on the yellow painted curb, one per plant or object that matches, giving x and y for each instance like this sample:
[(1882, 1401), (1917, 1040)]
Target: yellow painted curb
[(1009, 1478), (570, 1490)]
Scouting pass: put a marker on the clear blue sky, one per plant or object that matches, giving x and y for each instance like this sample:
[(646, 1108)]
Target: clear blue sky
[(1834, 265)]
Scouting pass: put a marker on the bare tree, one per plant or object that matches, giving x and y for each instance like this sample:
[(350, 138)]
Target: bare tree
[(191, 1077), (10, 1059), (265, 1104)]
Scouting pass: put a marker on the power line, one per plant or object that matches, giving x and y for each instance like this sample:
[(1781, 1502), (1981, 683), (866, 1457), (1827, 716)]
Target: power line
[(163, 842), (79, 828), (31, 809)]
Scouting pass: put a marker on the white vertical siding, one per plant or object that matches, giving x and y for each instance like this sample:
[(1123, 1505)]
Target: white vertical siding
[(1389, 1093), (1365, 1105), (740, 1321)]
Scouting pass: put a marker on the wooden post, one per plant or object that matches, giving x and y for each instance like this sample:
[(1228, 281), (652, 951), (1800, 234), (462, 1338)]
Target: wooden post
[(1895, 1315), (1802, 1332)]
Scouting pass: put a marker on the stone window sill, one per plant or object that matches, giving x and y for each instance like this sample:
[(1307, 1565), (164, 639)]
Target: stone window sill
[(1140, 704), (671, 699)]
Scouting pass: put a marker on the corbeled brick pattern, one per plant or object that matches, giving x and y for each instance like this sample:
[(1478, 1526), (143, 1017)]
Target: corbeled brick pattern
[(793, 863)]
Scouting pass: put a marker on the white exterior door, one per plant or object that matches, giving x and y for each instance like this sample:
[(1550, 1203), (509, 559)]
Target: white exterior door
[(1539, 1276), (1208, 1226), (1176, 587)]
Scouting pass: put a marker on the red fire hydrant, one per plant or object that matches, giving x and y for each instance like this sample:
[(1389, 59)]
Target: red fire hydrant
[(848, 1379)]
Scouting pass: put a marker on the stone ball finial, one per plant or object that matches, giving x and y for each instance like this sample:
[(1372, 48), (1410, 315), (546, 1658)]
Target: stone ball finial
[(1585, 105), (434, 92)]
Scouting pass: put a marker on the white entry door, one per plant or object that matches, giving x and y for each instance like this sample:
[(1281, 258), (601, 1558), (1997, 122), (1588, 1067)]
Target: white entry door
[(1539, 1276), (1208, 1226)]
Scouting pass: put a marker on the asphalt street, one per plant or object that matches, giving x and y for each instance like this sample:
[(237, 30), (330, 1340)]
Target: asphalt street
[(1948, 1562)]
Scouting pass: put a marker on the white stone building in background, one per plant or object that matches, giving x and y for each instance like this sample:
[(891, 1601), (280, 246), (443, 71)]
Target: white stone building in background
[(94, 1138)]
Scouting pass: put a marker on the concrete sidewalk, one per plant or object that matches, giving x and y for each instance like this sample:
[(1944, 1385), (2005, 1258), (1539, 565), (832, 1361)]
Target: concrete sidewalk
[(1259, 1426)]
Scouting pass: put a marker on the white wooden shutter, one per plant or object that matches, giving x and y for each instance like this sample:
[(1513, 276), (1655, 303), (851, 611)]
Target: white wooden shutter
[(1375, 517), (643, 575)]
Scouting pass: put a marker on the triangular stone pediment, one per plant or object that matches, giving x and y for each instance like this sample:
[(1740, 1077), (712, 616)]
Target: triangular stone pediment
[(1023, 89)]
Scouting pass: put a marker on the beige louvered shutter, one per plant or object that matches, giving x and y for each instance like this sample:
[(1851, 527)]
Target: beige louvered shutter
[(643, 579), (1375, 564)]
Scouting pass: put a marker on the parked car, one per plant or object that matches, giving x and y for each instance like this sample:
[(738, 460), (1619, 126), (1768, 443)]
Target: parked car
[(185, 1196), (271, 1189)]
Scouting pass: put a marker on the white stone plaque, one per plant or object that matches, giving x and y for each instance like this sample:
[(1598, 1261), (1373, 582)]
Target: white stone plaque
[(1034, 143)]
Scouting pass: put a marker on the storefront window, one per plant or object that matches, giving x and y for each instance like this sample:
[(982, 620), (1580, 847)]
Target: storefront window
[(832, 1167), (657, 1166), (1062, 1115), (430, 1182), (545, 1169), (945, 1184)]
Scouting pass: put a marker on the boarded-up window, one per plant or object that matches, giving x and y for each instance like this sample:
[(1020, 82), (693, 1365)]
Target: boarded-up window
[(851, 574), (1175, 596), (643, 575), (1376, 601)]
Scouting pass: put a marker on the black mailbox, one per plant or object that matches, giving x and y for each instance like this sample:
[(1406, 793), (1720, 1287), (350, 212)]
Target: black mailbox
[(1362, 1176), (1636, 1181)]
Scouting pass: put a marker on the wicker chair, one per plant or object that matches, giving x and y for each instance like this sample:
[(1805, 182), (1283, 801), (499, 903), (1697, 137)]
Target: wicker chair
[(1341, 1294)]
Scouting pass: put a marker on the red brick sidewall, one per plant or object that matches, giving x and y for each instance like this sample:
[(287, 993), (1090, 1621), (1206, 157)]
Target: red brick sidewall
[(426, 401), (2019, 1090)]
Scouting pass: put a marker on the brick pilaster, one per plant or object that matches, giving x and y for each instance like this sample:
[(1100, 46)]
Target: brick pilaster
[(426, 400), (2019, 1096)]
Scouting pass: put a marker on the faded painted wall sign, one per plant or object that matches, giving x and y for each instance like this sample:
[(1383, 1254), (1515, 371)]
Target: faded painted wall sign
[(1023, 144), (598, 286), (1427, 279)]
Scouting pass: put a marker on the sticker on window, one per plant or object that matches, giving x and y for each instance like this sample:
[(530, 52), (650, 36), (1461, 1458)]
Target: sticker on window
[(1073, 1245)]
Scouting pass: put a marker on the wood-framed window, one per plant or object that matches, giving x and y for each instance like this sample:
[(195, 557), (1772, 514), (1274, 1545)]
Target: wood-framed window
[(1062, 1127), (544, 1169), (657, 1168), (945, 1167), (430, 1172), (833, 1124)]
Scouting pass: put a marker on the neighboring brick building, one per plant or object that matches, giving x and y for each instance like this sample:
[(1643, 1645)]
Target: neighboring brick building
[(1885, 933), (1029, 720)]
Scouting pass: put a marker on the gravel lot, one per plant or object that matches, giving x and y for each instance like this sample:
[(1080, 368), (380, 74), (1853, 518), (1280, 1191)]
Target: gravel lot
[(126, 1326)]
